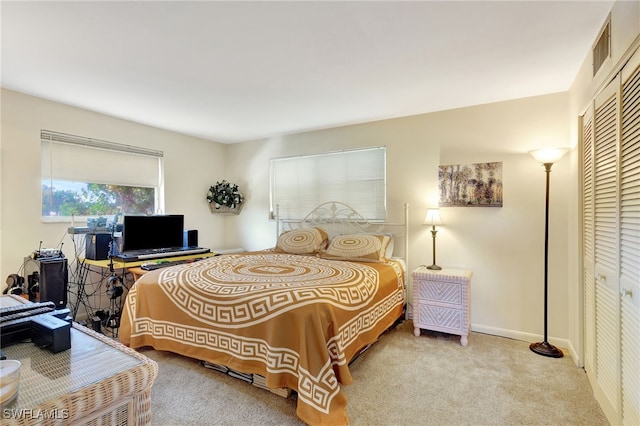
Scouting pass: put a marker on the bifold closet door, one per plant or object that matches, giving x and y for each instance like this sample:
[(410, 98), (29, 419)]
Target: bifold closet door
[(630, 243), (588, 275), (605, 185), (610, 156)]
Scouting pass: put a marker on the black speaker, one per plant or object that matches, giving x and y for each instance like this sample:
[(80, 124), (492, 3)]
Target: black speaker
[(52, 278), (97, 246), (190, 238)]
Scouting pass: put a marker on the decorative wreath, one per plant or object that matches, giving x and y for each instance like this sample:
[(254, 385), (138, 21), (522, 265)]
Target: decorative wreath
[(225, 194)]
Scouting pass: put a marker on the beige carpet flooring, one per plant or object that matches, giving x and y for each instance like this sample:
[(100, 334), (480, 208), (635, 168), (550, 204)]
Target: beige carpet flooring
[(401, 380)]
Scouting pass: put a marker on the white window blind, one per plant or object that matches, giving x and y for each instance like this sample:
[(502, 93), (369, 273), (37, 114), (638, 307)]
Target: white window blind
[(75, 158), (355, 177)]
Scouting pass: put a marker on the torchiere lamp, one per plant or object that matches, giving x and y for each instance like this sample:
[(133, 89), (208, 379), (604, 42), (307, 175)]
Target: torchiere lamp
[(433, 219), (547, 157)]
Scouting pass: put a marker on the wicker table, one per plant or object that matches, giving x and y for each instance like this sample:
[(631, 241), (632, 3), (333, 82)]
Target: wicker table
[(97, 381), (441, 301)]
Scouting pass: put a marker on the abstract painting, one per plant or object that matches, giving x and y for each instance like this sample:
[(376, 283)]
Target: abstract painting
[(471, 185)]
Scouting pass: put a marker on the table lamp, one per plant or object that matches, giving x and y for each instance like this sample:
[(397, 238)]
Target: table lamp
[(433, 219)]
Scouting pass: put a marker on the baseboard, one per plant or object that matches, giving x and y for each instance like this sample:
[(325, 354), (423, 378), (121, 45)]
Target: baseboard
[(564, 344), (574, 355)]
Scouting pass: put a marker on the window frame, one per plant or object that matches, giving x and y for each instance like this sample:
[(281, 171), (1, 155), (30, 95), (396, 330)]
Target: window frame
[(100, 148), (374, 211)]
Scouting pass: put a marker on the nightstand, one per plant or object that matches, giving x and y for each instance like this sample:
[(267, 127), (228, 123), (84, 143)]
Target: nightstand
[(441, 301)]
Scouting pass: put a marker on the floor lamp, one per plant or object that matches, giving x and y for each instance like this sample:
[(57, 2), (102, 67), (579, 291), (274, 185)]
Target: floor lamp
[(547, 157)]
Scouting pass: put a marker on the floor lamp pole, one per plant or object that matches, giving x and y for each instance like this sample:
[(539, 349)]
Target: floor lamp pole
[(544, 347)]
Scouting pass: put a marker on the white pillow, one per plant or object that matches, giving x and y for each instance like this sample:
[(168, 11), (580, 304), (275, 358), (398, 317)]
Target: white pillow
[(358, 247), (302, 241)]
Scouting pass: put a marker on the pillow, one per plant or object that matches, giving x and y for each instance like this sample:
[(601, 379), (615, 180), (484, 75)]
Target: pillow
[(390, 247), (302, 241), (362, 248)]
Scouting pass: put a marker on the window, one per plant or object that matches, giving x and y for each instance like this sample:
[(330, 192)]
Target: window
[(355, 177), (88, 177)]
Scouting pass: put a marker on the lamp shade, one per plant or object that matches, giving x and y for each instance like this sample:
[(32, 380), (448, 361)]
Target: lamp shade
[(548, 155), (433, 217)]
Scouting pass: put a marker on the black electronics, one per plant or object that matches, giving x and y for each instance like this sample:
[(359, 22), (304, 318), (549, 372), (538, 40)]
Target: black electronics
[(152, 266), (15, 321), (47, 280), (74, 230), (152, 232), (50, 332), (15, 284), (114, 287), (47, 253), (190, 238), (97, 246)]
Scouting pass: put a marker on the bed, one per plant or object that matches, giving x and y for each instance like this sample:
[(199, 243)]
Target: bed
[(295, 315)]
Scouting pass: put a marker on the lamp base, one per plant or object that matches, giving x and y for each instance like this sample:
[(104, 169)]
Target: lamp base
[(434, 267), (547, 349)]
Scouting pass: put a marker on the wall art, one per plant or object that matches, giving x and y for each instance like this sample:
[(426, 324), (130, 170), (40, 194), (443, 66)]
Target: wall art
[(471, 185)]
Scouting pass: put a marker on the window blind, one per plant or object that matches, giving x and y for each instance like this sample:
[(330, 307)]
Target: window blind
[(76, 158), (355, 177)]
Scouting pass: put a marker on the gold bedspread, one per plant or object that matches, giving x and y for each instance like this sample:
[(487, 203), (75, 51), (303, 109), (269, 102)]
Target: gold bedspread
[(296, 320)]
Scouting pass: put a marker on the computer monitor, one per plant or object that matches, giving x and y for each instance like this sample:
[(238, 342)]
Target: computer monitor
[(152, 232)]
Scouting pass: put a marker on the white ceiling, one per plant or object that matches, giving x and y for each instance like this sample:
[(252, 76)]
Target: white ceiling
[(235, 71)]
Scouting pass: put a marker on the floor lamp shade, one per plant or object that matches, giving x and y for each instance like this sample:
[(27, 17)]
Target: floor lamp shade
[(433, 218), (547, 157)]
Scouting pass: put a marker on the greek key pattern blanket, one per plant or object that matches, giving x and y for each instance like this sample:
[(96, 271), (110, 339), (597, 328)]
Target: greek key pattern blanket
[(296, 320)]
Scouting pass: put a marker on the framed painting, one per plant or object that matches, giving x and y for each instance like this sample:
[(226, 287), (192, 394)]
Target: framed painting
[(470, 185)]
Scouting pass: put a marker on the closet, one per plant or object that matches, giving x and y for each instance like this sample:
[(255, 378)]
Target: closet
[(610, 157)]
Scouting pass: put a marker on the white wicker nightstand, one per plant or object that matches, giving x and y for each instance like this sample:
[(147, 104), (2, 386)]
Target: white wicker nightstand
[(441, 301)]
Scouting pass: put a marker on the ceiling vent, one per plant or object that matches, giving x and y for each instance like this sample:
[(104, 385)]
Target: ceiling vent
[(602, 48)]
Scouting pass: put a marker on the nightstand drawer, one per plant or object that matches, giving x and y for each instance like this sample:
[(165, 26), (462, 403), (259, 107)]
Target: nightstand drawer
[(439, 291), (439, 318)]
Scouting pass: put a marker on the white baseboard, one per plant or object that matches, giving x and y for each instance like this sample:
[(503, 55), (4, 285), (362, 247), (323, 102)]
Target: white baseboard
[(526, 337), (564, 344)]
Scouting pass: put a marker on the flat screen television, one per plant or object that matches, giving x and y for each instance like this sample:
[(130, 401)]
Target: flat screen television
[(152, 232)]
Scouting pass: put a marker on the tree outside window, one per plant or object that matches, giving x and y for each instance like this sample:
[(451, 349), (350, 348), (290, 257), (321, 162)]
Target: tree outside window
[(66, 198)]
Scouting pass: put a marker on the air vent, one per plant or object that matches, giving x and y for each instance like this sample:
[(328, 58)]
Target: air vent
[(602, 48)]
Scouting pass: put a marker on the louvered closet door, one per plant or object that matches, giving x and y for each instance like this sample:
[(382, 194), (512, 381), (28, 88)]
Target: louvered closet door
[(606, 248), (630, 243), (611, 245), (588, 275)]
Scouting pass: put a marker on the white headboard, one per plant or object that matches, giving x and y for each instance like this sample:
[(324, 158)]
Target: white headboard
[(338, 218)]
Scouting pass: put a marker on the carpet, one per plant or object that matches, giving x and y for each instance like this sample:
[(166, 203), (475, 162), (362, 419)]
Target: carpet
[(401, 380)]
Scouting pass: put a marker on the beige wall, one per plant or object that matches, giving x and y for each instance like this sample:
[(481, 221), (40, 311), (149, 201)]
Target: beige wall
[(503, 246), (191, 165)]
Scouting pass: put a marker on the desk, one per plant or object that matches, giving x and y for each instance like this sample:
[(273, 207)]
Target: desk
[(134, 267), (97, 381), (125, 265), (84, 268)]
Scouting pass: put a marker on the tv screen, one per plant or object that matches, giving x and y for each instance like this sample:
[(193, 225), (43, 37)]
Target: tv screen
[(152, 232)]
